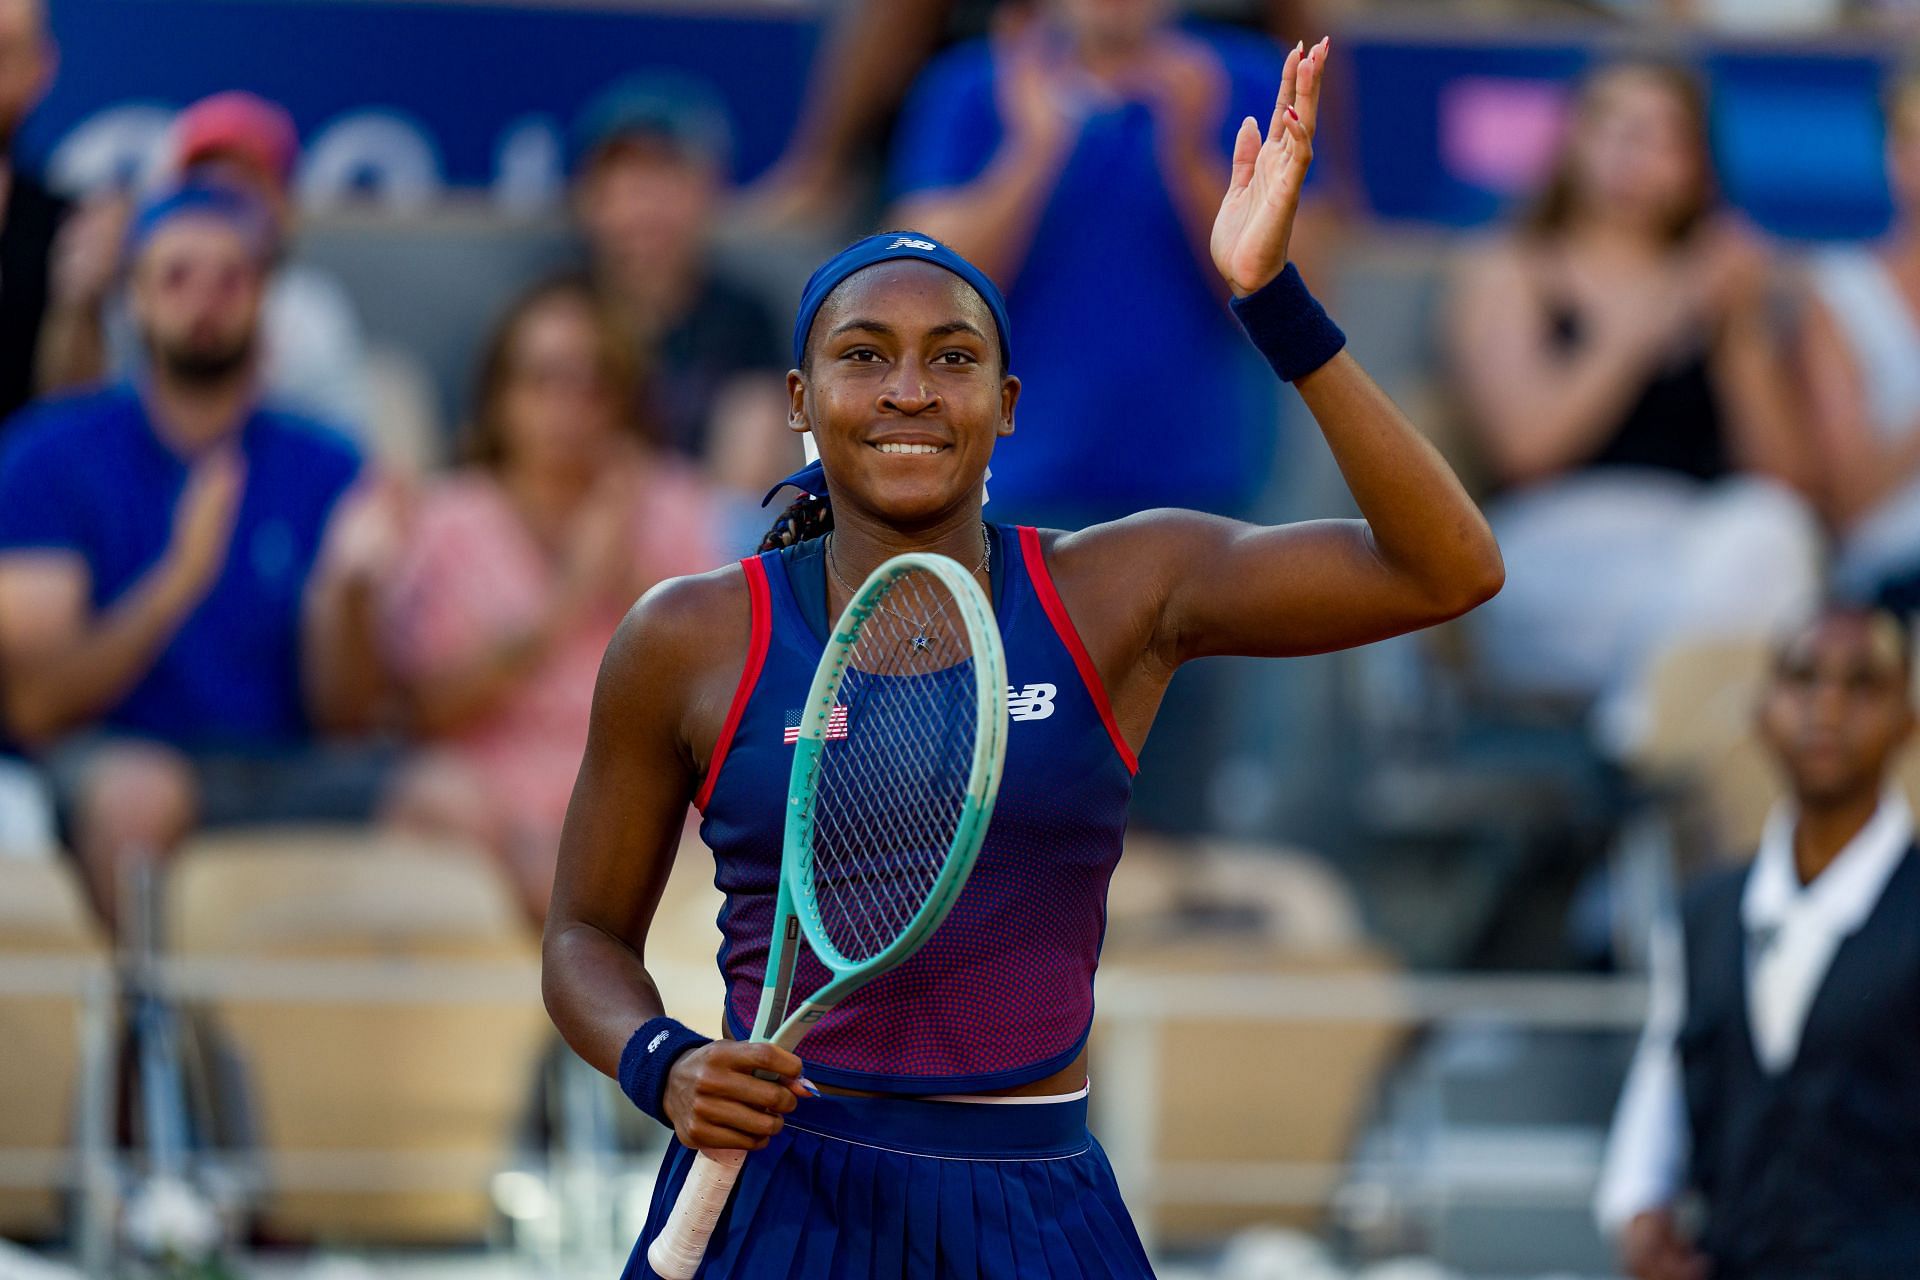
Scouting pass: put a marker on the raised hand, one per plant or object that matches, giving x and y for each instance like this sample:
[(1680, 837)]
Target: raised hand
[(1255, 222), (203, 519)]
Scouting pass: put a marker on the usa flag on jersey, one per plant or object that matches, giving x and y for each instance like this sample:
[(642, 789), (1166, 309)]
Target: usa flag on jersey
[(836, 725)]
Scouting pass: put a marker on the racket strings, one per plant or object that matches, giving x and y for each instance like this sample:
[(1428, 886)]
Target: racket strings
[(893, 784)]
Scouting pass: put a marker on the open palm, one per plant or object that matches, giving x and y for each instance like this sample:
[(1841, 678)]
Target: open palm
[(1255, 222)]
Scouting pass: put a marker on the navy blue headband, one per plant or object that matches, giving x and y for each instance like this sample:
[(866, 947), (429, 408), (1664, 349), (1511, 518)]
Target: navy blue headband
[(888, 247)]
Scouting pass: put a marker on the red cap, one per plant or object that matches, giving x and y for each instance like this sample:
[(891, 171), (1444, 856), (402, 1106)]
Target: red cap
[(238, 123)]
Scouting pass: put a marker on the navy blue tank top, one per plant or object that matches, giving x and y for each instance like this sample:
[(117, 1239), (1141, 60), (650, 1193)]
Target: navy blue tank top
[(1002, 994)]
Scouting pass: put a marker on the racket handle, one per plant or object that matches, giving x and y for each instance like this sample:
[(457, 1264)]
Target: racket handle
[(676, 1252)]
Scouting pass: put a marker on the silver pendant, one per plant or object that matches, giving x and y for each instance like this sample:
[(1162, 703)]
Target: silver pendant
[(920, 642)]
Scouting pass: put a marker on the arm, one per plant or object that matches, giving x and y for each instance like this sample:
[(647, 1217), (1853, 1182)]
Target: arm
[(659, 694), (59, 667), (1538, 411), (1749, 363), (1188, 89), (1646, 1155), (1422, 552), (1860, 469), (86, 256), (991, 219), (342, 672), (870, 57)]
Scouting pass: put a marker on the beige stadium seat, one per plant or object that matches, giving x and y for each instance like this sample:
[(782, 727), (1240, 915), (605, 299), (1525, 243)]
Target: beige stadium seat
[(360, 1093), (44, 921), (1289, 1092)]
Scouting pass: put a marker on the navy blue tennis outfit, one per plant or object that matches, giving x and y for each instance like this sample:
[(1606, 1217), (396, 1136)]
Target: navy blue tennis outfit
[(1001, 995)]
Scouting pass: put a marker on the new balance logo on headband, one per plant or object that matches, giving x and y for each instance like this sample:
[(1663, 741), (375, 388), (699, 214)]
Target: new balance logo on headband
[(908, 242)]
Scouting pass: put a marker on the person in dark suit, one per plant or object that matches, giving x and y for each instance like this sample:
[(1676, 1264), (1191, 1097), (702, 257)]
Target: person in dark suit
[(1770, 1128)]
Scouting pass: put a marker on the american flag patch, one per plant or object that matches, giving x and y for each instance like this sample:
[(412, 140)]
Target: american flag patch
[(836, 725)]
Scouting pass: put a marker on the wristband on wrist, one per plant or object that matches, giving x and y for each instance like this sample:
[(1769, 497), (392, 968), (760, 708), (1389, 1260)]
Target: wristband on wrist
[(647, 1059), (1290, 328)]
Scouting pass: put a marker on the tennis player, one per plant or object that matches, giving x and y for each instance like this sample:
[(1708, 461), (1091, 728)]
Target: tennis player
[(949, 1136)]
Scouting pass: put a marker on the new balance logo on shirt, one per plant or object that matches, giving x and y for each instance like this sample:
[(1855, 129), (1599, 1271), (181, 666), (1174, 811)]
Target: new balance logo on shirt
[(1029, 702)]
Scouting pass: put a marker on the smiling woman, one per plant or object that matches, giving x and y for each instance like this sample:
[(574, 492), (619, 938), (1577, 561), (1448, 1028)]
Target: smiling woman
[(902, 374)]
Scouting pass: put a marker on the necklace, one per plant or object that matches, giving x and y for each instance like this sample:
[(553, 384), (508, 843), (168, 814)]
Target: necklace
[(920, 639)]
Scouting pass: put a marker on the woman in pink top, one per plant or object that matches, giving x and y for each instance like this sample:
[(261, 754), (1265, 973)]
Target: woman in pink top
[(516, 571)]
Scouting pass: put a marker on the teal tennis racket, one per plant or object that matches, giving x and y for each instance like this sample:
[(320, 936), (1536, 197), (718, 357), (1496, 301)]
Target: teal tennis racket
[(894, 776)]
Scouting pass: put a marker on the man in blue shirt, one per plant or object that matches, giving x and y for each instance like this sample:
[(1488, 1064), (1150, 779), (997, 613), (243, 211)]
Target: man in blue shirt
[(1089, 143), (180, 572)]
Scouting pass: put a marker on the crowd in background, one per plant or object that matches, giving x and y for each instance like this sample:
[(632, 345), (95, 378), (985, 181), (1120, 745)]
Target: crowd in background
[(221, 601), (228, 598)]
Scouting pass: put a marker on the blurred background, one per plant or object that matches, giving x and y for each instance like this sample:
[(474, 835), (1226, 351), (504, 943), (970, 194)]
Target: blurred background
[(1643, 269)]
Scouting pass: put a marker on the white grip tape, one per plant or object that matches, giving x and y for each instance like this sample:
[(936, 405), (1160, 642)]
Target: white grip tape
[(676, 1252)]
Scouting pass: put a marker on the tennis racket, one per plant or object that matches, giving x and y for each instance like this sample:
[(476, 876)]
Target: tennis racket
[(894, 776)]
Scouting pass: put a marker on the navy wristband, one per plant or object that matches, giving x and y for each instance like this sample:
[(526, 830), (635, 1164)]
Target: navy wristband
[(648, 1057), (1291, 329)]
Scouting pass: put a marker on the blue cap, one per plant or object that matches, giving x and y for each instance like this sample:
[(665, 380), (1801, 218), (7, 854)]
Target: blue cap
[(684, 112), (890, 246), (204, 200)]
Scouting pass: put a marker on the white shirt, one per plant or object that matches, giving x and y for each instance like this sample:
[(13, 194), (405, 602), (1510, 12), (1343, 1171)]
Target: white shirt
[(1793, 932)]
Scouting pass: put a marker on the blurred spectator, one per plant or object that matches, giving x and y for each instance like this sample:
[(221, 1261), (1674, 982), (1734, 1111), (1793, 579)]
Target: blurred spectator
[(516, 572), (650, 166), (313, 358), (1861, 357), (1095, 134), (869, 58), (1617, 357), (176, 566), (1780, 1074), (30, 216)]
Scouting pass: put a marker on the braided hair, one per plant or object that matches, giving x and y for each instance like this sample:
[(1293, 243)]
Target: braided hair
[(809, 517)]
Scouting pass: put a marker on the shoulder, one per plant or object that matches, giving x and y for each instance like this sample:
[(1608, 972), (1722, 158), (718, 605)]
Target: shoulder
[(1501, 258), (968, 64), (310, 442), (681, 628), (956, 82), (1133, 543), (307, 290), (70, 424)]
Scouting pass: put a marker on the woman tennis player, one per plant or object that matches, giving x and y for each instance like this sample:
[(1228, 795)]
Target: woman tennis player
[(914, 1162)]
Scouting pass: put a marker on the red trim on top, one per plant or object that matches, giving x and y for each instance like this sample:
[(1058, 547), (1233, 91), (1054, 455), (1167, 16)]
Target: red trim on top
[(749, 676), (1063, 625)]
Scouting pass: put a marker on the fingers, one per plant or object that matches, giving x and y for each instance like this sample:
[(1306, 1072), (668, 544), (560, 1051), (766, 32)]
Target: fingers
[(752, 1091), (1289, 82), (756, 1055), (1306, 101), (1246, 151), (720, 1124)]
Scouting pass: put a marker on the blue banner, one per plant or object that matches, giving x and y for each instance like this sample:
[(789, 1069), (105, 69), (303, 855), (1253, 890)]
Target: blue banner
[(402, 99)]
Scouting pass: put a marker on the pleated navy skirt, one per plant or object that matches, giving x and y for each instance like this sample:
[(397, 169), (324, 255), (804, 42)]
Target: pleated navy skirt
[(895, 1189)]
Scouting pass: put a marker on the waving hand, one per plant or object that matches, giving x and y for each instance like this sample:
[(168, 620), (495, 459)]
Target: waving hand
[(1255, 221)]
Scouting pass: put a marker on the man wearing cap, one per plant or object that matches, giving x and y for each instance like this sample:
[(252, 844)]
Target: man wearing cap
[(313, 355), (650, 162), (179, 567)]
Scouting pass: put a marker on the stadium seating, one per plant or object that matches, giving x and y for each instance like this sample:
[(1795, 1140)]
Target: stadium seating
[(390, 1045), (45, 927)]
